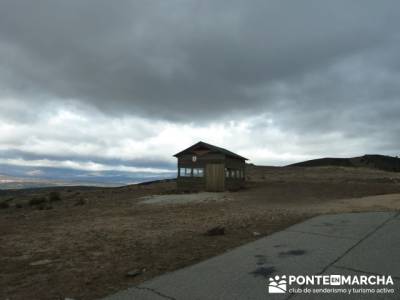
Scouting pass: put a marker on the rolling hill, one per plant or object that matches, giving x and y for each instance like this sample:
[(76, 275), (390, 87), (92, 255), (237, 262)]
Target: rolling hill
[(372, 161)]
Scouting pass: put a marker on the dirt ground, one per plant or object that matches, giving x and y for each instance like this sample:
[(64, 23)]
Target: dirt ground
[(83, 245), (185, 198)]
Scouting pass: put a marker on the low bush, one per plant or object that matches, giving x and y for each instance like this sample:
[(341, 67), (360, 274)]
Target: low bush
[(54, 196), (218, 230), (37, 201), (80, 201), (4, 205)]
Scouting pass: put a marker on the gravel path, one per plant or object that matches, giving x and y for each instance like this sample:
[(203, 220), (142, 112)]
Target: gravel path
[(185, 198)]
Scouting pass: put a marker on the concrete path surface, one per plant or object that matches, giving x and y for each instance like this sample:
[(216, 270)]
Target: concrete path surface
[(352, 244)]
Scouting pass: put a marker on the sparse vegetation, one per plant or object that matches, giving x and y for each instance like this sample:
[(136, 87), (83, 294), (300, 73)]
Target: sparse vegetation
[(218, 230), (44, 206), (4, 205), (144, 236), (54, 196), (37, 201), (80, 201)]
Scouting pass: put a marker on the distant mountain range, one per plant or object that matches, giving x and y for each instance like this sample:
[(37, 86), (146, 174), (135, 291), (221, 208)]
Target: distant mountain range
[(17, 179), (20, 177), (372, 161), (8, 182), (103, 179)]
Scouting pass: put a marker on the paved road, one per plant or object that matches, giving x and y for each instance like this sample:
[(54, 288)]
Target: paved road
[(344, 244)]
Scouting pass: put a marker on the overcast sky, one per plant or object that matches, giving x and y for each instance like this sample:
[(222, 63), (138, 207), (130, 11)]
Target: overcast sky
[(123, 85)]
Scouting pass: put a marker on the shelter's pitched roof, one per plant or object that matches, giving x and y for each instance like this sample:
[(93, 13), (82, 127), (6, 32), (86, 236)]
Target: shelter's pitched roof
[(212, 148)]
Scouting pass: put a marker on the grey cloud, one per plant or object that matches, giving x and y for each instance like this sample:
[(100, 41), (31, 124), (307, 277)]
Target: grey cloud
[(325, 73), (139, 163), (180, 60)]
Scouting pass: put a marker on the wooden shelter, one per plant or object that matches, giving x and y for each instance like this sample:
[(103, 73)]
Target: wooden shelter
[(211, 168)]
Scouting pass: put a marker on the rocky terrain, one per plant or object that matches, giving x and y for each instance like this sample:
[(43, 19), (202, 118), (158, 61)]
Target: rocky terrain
[(87, 242)]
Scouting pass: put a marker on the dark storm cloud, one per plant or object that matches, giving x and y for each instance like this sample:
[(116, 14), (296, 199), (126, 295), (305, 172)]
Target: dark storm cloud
[(183, 60), (119, 86)]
